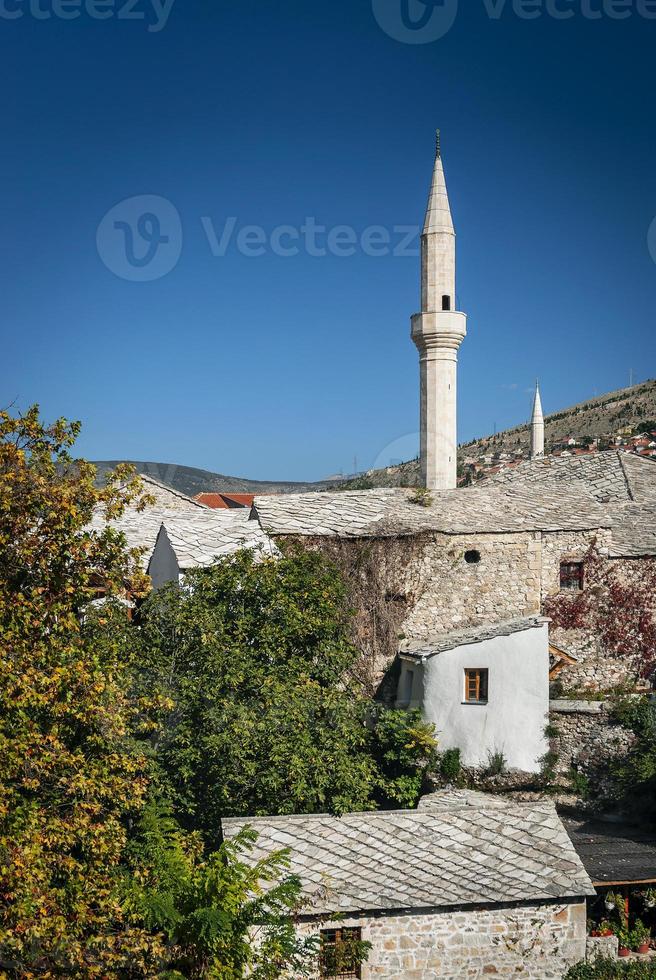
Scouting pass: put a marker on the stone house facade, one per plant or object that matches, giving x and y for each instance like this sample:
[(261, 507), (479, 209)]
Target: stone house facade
[(488, 553), (468, 885), (539, 941)]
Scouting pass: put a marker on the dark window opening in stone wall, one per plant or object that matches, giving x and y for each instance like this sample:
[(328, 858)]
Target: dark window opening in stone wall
[(341, 953), (446, 303), (472, 557), (571, 576)]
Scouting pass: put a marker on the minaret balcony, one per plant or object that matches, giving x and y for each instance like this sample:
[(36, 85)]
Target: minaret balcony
[(439, 330)]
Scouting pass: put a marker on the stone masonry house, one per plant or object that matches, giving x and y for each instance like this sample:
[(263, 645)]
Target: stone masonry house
[(472, 560), (486, 690), (468, 885), (492, 552)]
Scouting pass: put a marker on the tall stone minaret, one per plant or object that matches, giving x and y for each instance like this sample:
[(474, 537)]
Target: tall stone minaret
[(438, 332), (537, 425)]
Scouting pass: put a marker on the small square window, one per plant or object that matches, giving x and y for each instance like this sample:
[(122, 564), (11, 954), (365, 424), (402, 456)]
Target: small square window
[(571, 576), (340, 954), (476, 685)]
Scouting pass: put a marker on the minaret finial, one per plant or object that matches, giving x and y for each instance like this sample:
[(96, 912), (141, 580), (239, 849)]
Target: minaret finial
[(438, 143)]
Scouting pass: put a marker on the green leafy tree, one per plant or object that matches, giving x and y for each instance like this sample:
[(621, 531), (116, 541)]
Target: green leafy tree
[(405, 750), (633, 775), (254, 655), (95, 881), (224, 915), (612, 969)]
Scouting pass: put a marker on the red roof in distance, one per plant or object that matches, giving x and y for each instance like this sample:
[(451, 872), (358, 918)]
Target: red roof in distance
[(225, 501)]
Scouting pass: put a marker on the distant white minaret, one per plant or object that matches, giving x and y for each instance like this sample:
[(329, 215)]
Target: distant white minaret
[(537, 425), (438, 332)]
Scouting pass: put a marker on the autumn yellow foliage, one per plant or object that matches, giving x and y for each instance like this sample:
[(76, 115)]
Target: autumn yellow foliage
[(69, 777)]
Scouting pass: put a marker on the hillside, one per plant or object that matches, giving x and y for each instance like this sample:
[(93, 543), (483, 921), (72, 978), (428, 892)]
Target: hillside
[(604, 418), (190, 480), (615, 413)]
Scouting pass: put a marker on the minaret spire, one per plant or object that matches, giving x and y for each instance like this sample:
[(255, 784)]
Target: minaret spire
[(537, 425), (438, 332)]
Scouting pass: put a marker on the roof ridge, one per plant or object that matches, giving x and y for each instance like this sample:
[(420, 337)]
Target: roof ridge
[(620, 455), (146, 477), (492, 802)]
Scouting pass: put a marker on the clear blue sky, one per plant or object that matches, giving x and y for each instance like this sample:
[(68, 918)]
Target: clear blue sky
[(287, 367)]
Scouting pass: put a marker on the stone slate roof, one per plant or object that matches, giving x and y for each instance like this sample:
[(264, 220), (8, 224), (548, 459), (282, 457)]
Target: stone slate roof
[(475, 851), (606, 490), (442, 642), (606, 477), (390, 511), (200, 539), (168, 498), (614, 852), (197, 533), (634, 530)]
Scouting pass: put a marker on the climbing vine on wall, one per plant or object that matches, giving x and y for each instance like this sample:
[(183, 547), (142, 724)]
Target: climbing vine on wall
[(383, 580), (618, 604)]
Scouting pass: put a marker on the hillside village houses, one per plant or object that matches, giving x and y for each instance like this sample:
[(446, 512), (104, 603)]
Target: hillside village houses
[(467, 885)]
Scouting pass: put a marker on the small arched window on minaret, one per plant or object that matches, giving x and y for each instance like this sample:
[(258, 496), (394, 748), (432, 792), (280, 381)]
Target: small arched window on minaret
[(446, 304)]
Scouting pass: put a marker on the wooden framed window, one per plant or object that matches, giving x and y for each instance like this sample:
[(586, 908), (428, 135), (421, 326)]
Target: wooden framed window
[(571, 576), (476, 685), (341, 954)]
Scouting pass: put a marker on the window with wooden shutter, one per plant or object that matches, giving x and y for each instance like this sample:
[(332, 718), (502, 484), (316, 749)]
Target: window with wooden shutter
[(341, 954), (476, 685)]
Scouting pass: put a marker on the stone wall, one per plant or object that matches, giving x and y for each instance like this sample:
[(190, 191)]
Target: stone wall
[(533, 941), (455, 594), (421, 585), (587, 738), (559, 546), (594, 670), (601, 947)]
